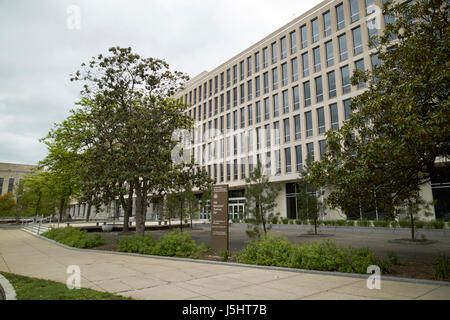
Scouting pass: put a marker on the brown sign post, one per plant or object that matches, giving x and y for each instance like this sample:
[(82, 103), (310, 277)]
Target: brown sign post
[(219, 218)]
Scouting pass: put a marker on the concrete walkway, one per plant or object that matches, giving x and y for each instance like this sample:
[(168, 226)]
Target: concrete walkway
[(152, 278)]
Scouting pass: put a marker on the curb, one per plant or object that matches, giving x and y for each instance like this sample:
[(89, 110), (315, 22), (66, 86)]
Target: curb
[(7, 289), (233, 264)]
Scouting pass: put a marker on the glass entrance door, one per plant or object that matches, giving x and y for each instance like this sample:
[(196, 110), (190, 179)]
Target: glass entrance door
[(236, 208)]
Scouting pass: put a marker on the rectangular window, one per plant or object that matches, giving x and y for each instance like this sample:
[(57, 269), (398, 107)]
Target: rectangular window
[(210, 87), (210, 108), (257, 86), (242, 142), (265, 57), (242, 89), (359, 65), (274, 52), (222, 82), (283, 48), (228, 78), (204, 90), (345, 76), (242, 117), (241, 70), (297, 127), (275, 78), (235, 120), (304, 36), (334, 117), (315, 30), (319, 89), (228, 146), (228, 100), (357, 42), (268, 163), (266, 109), (222, 102), (294, 65), (221, 172), (329, 53), (276, 129), (249, 66), (316, 56), (285, 101), (347, 109), (266, 82), (258, 111), (321, 120), (10, 185), (258, 138), (296, 97), (250, 164), (343, 53), (299, 157), (309, 125), (372, 32), (234, 74), (305, 63), (370, 6), (310, 150), (293, 38), (287, 130), (267, 130), (322, 147), (284, 74), (250, 115), (277, 162), (327, 24), (331, 84), (249, 90), (307, 93), (216, 105), (235, 96), (354, 11), (235, 170), (257, 61), (242, 168), (276, 109), (340, 16), (250, 141), (216, 84), (287, 159)]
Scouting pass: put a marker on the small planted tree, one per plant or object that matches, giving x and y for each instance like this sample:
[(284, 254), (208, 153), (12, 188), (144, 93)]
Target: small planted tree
[(260, 195), (413, 207)]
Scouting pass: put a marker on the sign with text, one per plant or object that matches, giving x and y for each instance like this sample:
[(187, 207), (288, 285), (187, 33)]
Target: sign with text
[(219, 218)]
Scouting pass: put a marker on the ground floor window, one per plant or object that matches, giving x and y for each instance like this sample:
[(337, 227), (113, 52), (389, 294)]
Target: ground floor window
[(440, 186)]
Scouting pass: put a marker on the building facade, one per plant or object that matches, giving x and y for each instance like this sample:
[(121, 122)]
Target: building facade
[(274, 101), (10, 175)]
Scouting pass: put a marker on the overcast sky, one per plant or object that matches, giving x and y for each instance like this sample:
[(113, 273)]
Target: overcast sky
[(38, 50)]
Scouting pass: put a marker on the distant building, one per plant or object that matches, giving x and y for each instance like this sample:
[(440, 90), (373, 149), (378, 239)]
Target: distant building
[(10, 175)]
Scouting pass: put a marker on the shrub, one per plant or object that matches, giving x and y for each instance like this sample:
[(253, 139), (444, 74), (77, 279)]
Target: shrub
[(291, 221), (341, 223), (285, 220), (363, 223), (136, 244), (224, 255), (436, 224), (419, 224), (324, 256), (246, 220), (442, 267), (235, 220), (394, 224), (74, 237), (381, 223), (393, 258), (298, 221), (350, 223), (274, 220), (404, 223)]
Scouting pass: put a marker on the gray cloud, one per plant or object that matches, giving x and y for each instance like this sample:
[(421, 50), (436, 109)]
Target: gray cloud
[(38, 51)]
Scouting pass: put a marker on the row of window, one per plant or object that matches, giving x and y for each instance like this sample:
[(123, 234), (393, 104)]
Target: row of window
[(10, 185), (284, 98), (253, 63), (239, 169), (261, 137)]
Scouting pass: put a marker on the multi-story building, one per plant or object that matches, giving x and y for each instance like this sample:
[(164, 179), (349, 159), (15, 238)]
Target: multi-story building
[(274, 101), (10, 175)]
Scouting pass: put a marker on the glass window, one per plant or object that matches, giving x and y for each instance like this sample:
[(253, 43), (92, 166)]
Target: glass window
[(228, 77), (294, 65), (243, 168), (322, 147), (258, 111), (250, 141), (235, 97), (234, 74), (222, 82), (345, 76), (370, 6), (372, 31), (304, 36), (258, 138), (283, 47), (249, 90), (266, 109), (268, 163), (340, 16), (241, 70), (359, 65), (242, 89), (327, 24), (315, 30), (257, 61), (299, 158), (316, 55), (265, 57), (374, 61), (287, 159), (343, 53), (285, 101), (334, 117), (293, 37), (287, 130), (10, 185), (354, 10), (276, 111), (210, 87), (321, 120), (242, 142), (284, 74), (347, 110), (235, 170), (267, 130), (329, 53), (310, 150), (274, 52), (305, 63), (276, 128), (257, 86), (266, 82), (235, 120), (222, 102), (275, 78), (319, 89), (296, 97), (277, 162), (309, 125), (250, 115), (228, 100), (242, 117), (235, 144), (307, 93), (249, 66), (297, 127), (357, 42), (331, 84)]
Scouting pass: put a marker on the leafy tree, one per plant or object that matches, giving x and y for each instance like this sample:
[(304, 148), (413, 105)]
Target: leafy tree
[(389, 148), (260, 195), (7, 204)]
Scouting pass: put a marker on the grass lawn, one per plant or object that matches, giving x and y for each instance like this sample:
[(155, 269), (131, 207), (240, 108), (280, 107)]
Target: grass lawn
[(39, 289)]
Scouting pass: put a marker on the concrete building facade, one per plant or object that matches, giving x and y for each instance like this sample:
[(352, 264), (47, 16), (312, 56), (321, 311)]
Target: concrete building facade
[(274, 101), (10, 175)]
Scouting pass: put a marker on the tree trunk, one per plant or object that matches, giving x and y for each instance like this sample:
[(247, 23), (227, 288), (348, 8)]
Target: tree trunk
[(412, 225), (141, 210), (37, 207), (181, 215), (61, 208), (88, 213)]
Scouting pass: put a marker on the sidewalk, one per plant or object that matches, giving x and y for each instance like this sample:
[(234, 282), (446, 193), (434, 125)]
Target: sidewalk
[(152, 278)]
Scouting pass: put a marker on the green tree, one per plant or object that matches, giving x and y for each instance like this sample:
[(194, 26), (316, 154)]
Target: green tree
[(389, 147), (260, 195), (7, 204)]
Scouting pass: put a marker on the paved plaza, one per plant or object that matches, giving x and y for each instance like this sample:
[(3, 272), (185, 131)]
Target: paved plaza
[(155, 278)]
